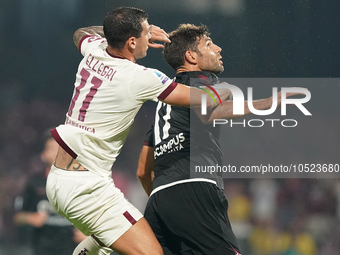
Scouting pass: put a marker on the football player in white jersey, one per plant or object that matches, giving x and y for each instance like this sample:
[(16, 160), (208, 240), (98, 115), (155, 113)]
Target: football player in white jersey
[(109, 90)]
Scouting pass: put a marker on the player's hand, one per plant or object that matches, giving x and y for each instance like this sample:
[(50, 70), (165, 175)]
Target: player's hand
[(159, 35)]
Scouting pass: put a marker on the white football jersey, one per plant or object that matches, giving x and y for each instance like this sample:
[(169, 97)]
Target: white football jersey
[(108, 93)]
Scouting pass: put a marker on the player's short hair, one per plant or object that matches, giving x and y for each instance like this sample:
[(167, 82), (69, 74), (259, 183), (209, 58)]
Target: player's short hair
[(185, 37), (121, 24)]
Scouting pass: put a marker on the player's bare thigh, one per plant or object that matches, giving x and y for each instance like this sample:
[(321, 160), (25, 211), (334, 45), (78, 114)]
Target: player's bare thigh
[(138, 240)]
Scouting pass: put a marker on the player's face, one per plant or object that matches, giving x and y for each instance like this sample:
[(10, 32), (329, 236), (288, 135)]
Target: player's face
[(209, 57), (143, 41)]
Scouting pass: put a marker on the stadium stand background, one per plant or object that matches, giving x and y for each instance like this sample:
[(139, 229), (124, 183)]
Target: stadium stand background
[(283, 39)]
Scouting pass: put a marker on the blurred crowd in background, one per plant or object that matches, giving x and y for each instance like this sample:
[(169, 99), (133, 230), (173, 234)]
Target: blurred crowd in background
[(269, 216), (293, 38)]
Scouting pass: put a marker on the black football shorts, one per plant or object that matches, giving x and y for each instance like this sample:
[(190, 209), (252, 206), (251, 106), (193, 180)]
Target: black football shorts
[(191, 218)]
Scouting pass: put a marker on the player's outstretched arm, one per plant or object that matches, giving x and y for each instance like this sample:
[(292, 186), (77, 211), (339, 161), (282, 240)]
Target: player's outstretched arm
[(145, 168), (81, 32), (191, 97), (225, 111)]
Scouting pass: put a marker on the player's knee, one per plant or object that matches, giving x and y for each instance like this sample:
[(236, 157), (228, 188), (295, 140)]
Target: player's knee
[(90, 246)]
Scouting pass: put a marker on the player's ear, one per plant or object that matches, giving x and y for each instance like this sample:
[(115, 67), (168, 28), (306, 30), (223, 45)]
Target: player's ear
[(131, 43), (190, 57)]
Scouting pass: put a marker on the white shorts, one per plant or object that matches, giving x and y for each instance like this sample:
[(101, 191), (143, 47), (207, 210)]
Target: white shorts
[(91, 203)]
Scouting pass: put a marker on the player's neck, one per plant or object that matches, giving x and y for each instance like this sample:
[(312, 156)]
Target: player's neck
[(121, 53), (188, 68)]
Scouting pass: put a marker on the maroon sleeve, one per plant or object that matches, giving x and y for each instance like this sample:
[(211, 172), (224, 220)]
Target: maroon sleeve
[(81, 41), (168, 90)]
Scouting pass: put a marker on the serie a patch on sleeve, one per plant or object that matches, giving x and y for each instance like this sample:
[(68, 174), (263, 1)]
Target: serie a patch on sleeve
[(161, 76)]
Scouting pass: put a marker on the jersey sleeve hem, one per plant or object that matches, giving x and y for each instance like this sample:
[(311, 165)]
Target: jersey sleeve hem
[(81, 41), (147, 144), (63, 145), (168, 90)]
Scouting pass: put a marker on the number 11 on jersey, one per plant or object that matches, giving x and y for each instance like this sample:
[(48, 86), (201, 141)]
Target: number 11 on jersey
[(96, 82)]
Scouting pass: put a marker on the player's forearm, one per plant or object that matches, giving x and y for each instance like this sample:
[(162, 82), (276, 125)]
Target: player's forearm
[(191, 97), (145, 168), (81, 32), (146, 182), (145, 177), (225, 111)]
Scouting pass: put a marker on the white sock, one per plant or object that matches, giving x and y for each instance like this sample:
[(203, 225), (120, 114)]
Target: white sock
[(90, 246)]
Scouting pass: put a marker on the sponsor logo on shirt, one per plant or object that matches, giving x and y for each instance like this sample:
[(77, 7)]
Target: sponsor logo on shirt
[(165, 79), (173, 145), (158, 74)]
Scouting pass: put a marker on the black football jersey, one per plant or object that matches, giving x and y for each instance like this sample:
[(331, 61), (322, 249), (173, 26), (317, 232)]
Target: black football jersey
[(181, 141)]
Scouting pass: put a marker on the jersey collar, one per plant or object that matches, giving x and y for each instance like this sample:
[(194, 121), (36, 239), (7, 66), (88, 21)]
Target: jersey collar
[(114, 56), (198, 78)]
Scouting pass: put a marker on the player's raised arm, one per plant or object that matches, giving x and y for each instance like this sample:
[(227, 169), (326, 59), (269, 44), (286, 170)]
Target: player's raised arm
[(81, 32), (159, 35)]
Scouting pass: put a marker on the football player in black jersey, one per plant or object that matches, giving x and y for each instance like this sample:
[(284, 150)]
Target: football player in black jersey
[(187, 213)]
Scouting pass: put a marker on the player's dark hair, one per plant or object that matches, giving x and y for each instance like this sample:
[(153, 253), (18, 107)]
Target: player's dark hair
[(121, 24), (185, 37)]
